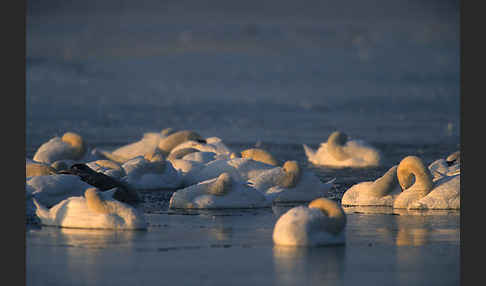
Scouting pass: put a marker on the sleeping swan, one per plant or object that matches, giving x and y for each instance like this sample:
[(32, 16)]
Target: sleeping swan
[(322, 222), (218, 193), (449, 166), (290, 184), (426, 192), (94, 210), (70, 146), (339, 152), (381, 192)]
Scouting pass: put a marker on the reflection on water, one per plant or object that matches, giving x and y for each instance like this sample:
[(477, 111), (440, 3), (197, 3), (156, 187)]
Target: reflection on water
[(304, 266)]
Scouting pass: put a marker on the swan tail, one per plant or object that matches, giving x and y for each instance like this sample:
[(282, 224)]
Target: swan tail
[(309, 152), (41, 211), (113, 157)]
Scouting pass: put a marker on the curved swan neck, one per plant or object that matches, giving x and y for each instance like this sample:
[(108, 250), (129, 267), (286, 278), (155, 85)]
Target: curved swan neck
[(454, 158), (412, 166), (76, 141), (154, 156), (335, 144), (336, 215), (171, 141), (292, 175), (386, 183), (94, 202), (221, 186), (167, 131), (178, 154), (259, 155)]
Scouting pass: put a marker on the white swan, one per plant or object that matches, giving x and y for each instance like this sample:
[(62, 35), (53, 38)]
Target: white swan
[(166, 145), (218, 193), (322, 222), (449, 166), (240, 169), (51, 189), (290, 184), (93, 210), (339, 152), (425, 192), (210, 144), (151, 173), (70, 146), (147, 144), (381, 192)]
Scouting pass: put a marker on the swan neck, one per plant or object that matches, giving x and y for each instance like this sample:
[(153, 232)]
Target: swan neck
[(413, 167), (336, 215), (335, 144), (292, 174), (221, 186), (386, 183), (94, 202)]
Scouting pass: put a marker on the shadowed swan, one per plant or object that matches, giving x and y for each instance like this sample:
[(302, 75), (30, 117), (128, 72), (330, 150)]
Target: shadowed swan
[(218, 193)]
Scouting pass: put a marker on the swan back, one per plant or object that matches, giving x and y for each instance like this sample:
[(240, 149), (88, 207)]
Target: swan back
[(179, 153), (259, 155), (38, 169)]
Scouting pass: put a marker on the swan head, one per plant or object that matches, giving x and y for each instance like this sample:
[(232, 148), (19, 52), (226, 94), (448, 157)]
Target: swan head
[(221, 186), (178, 154), (454, 158), (412, 168), (166, 131), (259, 155), (154, 156), (77, 142), (95, 202), (170, 142), (335, 144), (292, 174), (336, 215)]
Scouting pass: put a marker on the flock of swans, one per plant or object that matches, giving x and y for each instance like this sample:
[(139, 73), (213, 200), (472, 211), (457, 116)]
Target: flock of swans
[(70, 185)]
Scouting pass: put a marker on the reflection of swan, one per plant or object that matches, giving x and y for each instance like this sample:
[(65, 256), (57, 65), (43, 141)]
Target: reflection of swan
[(70, 146), (380, 192), (322, 222), (339, 152), (151, 173), (220, 192), (94, 210), (147, 144), (449, 166), (425, 193), (301, 265), (290, 184)]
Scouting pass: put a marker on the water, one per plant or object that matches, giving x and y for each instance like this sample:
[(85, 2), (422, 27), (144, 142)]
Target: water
[(276, 74)]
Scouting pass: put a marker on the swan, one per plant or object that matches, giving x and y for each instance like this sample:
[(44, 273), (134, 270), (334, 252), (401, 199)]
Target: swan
[(260, 155), (449, 166), (240, 169), (218, 193), (107, 167), (289, 184), (322, 222), (151, 172), (210, 144), (93, 210), (147, 144), (381, 192), (70, 146), (339, 152), (167, 144), (425, 192)]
